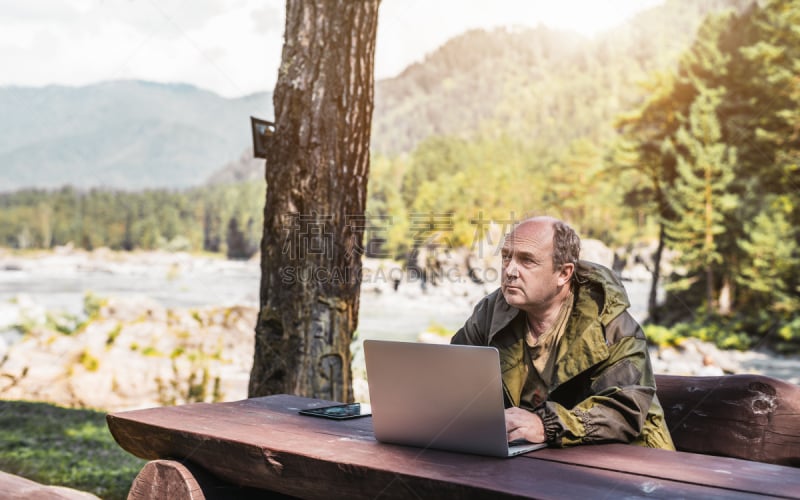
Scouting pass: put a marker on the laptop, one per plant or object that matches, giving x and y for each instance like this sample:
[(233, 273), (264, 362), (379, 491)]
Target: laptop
[(448, 397)]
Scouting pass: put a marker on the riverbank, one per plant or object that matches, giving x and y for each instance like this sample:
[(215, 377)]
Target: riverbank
[(171, 328)]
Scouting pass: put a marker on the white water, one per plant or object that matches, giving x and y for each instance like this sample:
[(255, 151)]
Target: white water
[(58, 284)]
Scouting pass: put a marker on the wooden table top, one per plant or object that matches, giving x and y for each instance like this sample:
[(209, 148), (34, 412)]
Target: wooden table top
[(265, 443)]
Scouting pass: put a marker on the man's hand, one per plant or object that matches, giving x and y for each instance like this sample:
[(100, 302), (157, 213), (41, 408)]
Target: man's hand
[(523, 424)]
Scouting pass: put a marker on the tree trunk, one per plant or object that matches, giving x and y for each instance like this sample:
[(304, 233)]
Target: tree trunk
[(725, 295), (708, 247), (652, 303), (317, 168)]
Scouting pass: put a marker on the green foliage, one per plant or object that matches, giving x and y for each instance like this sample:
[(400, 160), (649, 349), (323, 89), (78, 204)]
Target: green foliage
[(92, 304), (440, 330), (771, 278), (452, 192), (221, 218), (63, 323), (662, 336), (113, 334), (789, 335), (718, 144), (89, 361), (151, 351), (742, 330), (197, 387), (701, 193), (388, 227), (542, 86), (723, 332), (59, 446)]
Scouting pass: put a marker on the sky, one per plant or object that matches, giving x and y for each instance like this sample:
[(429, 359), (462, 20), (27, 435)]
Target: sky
[(233, 47)]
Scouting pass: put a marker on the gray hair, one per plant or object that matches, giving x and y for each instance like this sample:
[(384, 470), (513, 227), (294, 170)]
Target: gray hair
[(566, 245)]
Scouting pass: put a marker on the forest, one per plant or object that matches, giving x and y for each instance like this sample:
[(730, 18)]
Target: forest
[(701, 158), (223, 218)]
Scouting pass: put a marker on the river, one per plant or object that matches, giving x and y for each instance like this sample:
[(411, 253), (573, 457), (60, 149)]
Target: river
[(59, 283), (54, 283)]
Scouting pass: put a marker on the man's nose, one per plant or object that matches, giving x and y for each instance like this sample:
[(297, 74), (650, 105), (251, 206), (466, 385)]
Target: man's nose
[(511, 269)]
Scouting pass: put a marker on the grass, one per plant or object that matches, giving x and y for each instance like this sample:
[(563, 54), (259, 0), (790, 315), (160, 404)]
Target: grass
[(60, 446)]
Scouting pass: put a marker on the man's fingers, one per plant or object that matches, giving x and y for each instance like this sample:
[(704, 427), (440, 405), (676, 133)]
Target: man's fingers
[(522, 424), (515, 417)]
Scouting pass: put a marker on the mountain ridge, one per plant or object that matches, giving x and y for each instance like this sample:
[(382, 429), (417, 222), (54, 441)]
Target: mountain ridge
[(129, 134), (549, 85)]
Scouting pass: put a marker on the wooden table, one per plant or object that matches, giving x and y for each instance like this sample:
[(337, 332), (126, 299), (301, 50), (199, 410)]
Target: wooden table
[(263, 443)]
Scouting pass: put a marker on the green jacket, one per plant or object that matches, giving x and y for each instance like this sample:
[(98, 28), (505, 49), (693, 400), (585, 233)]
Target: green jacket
[(603, 389)]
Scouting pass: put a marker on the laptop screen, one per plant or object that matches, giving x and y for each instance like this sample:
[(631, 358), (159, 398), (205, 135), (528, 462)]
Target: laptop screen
[(437, 396)]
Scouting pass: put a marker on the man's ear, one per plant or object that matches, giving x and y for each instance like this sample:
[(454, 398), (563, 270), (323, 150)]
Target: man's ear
[(565, 275)]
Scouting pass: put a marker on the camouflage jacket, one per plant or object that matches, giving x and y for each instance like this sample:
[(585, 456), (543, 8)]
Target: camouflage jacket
[(603, 388)]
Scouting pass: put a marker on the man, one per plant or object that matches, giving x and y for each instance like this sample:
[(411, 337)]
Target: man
[(575, 363)]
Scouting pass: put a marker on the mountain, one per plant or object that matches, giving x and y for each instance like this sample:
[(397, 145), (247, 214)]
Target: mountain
[(542, 84), (125, 134), (244, 168), (537, 84)]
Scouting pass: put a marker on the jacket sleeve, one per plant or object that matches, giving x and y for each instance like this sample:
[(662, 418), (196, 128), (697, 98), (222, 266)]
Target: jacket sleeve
[(619, 394)]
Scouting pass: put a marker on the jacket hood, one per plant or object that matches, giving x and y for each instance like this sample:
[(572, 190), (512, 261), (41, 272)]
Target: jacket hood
[(597, 277), (615, 298)]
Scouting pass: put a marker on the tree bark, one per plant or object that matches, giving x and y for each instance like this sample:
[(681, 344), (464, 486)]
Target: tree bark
[(317, 168), (652, 302)]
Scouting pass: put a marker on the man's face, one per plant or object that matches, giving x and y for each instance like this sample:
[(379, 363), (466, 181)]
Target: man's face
[(529, 281)]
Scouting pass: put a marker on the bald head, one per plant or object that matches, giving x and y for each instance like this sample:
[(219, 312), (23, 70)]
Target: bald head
[(565, 241), (535, 276)]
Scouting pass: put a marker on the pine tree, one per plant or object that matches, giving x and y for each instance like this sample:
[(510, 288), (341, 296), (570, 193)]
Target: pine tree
[(769, 133), (645, 155), (700, 196), (772, 248)]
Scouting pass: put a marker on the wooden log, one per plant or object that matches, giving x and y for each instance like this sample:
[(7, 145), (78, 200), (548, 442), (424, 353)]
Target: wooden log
[(753, 417), (165, 479), (18, 488), (264, 443), (174, 480)]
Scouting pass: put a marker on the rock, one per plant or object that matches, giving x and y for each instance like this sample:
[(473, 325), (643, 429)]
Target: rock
[(432, 338), (21, 309), (136, 354), (130, 309), (596, 251)]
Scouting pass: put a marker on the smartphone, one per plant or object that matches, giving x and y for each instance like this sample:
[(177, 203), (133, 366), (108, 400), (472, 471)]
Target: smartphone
[(340, 412)]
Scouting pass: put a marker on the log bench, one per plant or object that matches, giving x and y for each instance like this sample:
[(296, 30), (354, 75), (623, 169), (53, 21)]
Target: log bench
[(753, 417), (14, 487), (244, 449)]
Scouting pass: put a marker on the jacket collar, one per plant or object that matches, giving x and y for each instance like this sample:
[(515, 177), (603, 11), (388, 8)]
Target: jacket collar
[(599, 298), (584, 343), (502, 314)]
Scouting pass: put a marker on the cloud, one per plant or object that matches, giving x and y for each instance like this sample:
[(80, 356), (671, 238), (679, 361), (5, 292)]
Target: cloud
[(215, 44), (233, 47), (410, 29), (27, 12), (269, 19)]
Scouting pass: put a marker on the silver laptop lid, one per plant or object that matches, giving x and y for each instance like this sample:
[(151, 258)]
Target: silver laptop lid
[(437, 396)]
